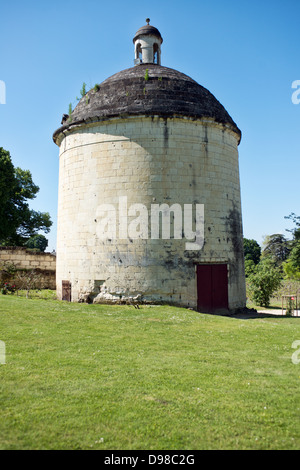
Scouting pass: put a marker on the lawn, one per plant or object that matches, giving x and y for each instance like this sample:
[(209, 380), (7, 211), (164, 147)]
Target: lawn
[(81, 376)]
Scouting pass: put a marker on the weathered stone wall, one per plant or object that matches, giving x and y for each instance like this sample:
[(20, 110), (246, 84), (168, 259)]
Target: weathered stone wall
[(151, 160), (23, 259)]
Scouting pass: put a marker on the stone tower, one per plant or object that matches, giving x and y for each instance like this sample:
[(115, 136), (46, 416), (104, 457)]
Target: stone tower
[(149, 203)]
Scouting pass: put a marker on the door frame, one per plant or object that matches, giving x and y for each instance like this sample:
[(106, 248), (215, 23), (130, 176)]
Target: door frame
[(213, 308)]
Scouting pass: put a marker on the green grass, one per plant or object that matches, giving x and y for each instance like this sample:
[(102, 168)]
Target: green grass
[(83, 376)]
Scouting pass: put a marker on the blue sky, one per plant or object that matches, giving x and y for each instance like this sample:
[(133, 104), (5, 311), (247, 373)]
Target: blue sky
[(245, 52)]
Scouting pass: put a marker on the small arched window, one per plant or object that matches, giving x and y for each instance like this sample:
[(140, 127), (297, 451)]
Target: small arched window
[(155, 53), (139, 52)]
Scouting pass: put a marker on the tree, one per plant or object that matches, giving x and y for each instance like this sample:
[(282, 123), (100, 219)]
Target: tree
[(249, 267), (292, 266), (276, 247), (38, 242), (291, 271), (18, 222), (294, 257), (296, 220), (252, 250), (263, 282)]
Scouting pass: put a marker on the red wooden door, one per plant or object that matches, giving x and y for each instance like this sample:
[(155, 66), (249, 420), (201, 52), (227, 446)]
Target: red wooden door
[(204, 287), (212, 287)]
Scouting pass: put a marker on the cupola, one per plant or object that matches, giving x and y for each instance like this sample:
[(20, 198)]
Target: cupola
[(147, 42)]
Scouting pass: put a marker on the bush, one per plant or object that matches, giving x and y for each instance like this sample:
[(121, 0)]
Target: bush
[(29, 280), (7, 272), (6, 287), (263, 282)]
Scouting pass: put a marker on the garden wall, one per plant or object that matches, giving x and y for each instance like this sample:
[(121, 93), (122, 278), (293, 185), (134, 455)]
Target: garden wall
[(24, 259)]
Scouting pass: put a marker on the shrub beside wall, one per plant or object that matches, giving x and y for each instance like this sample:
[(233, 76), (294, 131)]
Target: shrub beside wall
[(17, 260)]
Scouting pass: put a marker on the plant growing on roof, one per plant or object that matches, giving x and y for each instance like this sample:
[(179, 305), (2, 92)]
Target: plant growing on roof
[(70, 112), (83, 90)]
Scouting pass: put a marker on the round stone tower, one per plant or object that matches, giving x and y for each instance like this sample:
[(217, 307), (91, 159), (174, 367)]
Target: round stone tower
[(149, 203)]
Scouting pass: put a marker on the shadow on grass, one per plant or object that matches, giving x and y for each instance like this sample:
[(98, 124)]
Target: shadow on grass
[(251, 316), (258, 312)]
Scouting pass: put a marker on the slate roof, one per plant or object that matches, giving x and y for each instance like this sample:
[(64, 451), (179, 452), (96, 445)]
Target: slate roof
[(150, 90), (147, 30)]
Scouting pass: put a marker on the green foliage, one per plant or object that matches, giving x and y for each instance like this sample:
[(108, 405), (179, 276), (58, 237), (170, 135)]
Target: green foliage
[(17, 221), (38, 242), (83, 91), (8, 187), (252, 250), (263, 282), (292, 265), (96, 87), (7, 268), (146, 75), (249, 267), (290, 306), (296, 220), (7, 272), (295, 255), (70, 112), (291, 268), (276, 247)]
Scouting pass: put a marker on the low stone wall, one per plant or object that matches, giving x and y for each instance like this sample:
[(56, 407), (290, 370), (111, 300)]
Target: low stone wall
[(24, 259)]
